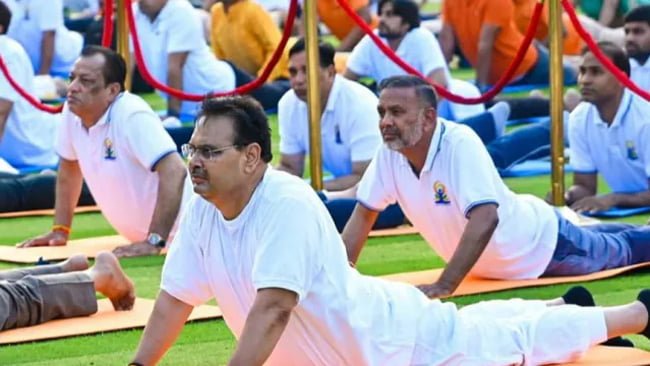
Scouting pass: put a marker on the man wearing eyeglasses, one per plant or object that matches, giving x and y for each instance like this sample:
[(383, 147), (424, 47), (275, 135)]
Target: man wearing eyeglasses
[(115, 141)]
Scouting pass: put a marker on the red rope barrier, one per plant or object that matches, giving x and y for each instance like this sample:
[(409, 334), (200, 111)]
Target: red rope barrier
[(593, 47), (107, 34), (496, 88), (146, 75), (30, 98)]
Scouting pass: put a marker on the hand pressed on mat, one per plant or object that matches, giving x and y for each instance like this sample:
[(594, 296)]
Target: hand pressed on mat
[(137, 249), (53, 238)]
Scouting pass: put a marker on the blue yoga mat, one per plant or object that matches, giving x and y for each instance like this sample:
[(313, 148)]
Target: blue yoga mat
[(34, 169), (616, 212), (530, 168), (524, 121)]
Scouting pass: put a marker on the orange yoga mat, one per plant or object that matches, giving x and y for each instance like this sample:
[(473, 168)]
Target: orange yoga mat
[(106, 319), (613, 356), (400, 230), (474, 285), (47, 212), (90, 247)]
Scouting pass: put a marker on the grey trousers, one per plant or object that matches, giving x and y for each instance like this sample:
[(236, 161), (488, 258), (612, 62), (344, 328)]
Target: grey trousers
[(30, 296)]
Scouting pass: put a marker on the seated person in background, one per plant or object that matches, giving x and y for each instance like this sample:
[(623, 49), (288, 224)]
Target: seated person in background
[(114, 141), (609, 133), (399, 28), (244, 34), (262, 246), (442, 177), (31, 296), (489, 38), (637, 44), (79, 14), (27, 135), (340, 24), (349, 136), (38, 27)]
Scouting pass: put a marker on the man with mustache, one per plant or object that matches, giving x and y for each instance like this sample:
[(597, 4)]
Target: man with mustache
[(609, 132), (637, 44), (115, 141), (442, 177), (260, 242)]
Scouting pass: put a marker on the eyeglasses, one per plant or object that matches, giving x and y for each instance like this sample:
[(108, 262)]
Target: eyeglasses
[(204, 152)]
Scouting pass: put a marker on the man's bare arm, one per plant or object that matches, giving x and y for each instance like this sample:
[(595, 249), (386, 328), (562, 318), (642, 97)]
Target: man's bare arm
[(171, 178), (176, 61), (292, 164), (350, 180), (584, 185), (447, 41), (5, 110), (357, 229), (485, 49), (165, 324), (47, 52), (264, 325), (355, 35)]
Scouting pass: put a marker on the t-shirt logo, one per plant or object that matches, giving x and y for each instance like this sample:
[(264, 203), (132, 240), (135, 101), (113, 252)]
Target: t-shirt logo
[(440, 192), (631, 150), (109, 152)]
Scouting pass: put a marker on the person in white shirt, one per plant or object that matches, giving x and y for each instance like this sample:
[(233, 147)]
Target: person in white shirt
[(38, 26), (445, 182), (349, 138), (261, 243), (114, 141), (399, 27), (27, 135), (609, 134), (177, 54), (637, 44)]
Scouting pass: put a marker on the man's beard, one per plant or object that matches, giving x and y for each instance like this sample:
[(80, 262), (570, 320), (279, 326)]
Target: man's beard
[(389, 35)]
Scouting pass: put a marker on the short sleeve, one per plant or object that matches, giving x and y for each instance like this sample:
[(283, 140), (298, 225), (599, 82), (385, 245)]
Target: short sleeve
[(288, 258), (580, 156), (50, 17), (360, 61), (375, 190), (643, 141), (183, 274), (499, 12), (289, 126), (474, 184), (184, 33), (431, 54), (147, 139), (64, 146)]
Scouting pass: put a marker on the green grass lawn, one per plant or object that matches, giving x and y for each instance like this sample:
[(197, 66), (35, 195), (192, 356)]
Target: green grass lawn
[(210, 342)]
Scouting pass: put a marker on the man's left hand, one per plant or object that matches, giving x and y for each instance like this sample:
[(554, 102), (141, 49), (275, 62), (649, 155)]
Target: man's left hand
[(592, 204), (436, 290), (137, 249)]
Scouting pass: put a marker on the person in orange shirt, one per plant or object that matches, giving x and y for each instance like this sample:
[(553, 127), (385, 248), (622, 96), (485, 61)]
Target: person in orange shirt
[(341, 25), (488, 36)]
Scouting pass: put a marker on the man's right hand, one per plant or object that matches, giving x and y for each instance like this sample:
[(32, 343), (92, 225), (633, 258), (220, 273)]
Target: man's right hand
[(53, 238)]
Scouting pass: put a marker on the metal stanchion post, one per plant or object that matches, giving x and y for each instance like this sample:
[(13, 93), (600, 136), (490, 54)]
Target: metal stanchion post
[(313, 93), (557, 103), (123, 40)]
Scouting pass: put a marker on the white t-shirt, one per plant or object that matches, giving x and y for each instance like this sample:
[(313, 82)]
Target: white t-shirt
[(117, 157), (29, 134), (285, 238), (420, 49), (640, 74), (30, 18), (620, 152), (349, 126), (459, 175), (176, 29)]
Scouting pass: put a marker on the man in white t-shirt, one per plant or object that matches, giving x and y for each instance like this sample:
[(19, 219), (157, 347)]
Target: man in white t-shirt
[(117, 144), (609, 134), (637, 44), (27, 135), (442, 177), (262, 244), (349, 138), (38, 26), (399, 28), (175, 51)]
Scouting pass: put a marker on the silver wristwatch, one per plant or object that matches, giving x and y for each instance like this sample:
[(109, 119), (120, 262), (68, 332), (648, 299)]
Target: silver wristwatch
[(156, 240)]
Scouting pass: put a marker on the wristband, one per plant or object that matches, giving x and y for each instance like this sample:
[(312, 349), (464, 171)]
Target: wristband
[(62, 228)]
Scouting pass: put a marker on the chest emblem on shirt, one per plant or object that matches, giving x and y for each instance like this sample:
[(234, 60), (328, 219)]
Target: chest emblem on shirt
[(109, 151), (440, 193), (631, 150)]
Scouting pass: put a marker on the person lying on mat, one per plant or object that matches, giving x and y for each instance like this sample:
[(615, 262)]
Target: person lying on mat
[(115, 141), (26, 134), (609, 134), (35, 295), (399, 28), (260, 242), (442, 177)]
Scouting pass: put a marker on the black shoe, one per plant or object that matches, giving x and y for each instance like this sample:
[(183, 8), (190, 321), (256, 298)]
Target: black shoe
[(644, 298)]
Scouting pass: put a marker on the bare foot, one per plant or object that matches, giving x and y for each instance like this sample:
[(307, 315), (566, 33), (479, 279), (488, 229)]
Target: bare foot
[(77, 262), (112, 282)]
